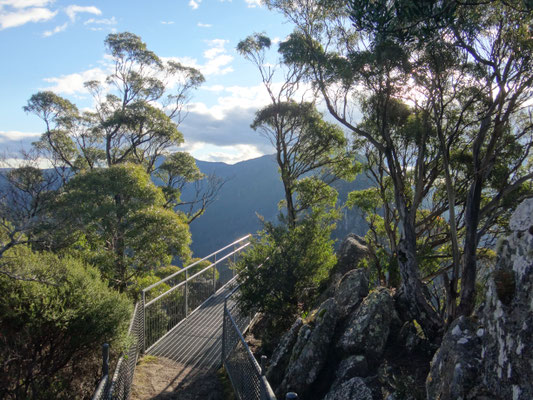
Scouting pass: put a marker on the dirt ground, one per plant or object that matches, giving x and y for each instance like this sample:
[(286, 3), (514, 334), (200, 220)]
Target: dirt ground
[(163, 379)]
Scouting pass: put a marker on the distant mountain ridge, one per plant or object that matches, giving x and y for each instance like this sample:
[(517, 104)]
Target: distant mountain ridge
[(254, 187)]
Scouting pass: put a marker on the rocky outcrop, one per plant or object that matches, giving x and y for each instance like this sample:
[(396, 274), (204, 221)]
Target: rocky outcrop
[(310, 351), (350, 367), (368, 328), (280, 358), (352, 289), (354, 389), (490, 355), (507, 315), (353, 249), (456, 365)]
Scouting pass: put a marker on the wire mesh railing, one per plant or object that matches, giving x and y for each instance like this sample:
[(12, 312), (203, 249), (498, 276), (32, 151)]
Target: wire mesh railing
[(119, 387), (245, 373), (186, 290), (163, 306)]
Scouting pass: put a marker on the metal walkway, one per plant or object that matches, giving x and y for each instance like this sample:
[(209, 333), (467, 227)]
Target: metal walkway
[(197, 341)]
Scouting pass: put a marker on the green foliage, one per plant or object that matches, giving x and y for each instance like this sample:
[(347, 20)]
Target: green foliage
[(120, 213), (254, 43), (280, 275), (135, 114), (53, 321), (305, 144), (178, 169)]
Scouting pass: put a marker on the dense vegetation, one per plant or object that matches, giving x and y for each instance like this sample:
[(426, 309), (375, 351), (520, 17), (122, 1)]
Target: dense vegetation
[(444, 89), (446, 136), (79, 240)]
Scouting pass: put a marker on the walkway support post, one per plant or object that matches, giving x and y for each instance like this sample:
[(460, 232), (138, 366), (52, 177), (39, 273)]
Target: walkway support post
[(215, 275), (263, 364), (105, 359), (224, 331), (143, 344), (186, 293)]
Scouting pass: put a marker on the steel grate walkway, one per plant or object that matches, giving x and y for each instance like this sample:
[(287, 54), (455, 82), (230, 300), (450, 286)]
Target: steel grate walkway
[(197, 341)]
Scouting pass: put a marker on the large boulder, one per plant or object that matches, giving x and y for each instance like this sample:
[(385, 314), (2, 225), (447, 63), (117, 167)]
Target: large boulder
[(352, 289), (507, 315), (353, 389), (490, 355), (353, 249), (368, 328), (310, 352), (280, 358), (349, 368), (456, 365)]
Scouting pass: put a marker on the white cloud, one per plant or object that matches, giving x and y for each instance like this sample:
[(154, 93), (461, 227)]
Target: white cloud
[(13, 162), (214, 88), (24, 15), (226, 154), (194, 4), (103, 21), (167, 22), (57, 29), (17, 135), (217, 59), (73, 10), (13, 145), (73, 83), (25, 3), (201, 25), (253, 3)]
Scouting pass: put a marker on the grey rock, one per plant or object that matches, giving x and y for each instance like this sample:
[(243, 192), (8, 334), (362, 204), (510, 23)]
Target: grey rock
[(507, 315), (352, 289), (369, 326), (455, 366), (352, 250), (310, 351), (281, 356), (522, 218), (354, 389), (353, 366), (411, 339), (490, 356)]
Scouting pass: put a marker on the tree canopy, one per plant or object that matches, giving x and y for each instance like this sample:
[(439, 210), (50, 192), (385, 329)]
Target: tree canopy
[(443, 88)]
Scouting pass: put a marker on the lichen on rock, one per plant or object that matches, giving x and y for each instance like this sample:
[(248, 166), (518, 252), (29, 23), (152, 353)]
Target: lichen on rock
[(369, 325)]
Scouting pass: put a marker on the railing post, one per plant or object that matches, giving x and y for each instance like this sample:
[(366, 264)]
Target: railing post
[(186, 293), (215, 275), (263, 364), (143, 345), (105, 359), (224, 331), (234, 259)]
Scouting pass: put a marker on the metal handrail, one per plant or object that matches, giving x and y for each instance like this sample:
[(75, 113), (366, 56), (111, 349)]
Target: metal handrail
[(260, 380), (194, 263), (118, 385), (193, 276)]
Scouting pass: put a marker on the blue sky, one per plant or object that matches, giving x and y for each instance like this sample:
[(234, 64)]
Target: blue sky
[(57, 45)]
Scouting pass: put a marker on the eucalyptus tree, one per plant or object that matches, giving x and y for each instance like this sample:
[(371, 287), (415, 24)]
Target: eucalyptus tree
[(310, 152), (439, 84), (115, 218), (106, 208), (136, 111)]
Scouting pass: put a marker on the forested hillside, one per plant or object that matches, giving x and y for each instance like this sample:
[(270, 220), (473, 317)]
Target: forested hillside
[(254, 187)]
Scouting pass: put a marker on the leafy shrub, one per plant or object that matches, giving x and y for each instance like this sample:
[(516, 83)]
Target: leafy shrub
[(53, 320), (294, 263)]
